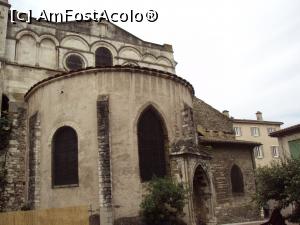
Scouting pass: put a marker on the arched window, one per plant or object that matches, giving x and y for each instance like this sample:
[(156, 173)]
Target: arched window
[(103, 57), (151, 145), (74, 62), (237, 181), (4, 104), (65, 157)]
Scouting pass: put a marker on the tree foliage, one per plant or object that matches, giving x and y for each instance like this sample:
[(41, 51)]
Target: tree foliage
[(164, 202), (279, 182)]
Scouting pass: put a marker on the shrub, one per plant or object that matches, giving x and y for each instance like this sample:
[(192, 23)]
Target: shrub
[(279, 182), (164, 202)]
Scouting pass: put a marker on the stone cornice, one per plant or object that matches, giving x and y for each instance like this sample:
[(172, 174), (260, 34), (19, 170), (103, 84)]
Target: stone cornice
[(118, 68)]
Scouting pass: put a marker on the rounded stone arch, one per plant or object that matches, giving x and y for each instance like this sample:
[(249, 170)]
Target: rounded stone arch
[(103, 44), (71, 124), (130, 63), (82, 44), (26, 47), (21, 33), (127, 49), (85, 61), (149, 58), (162, 60), (50, 37), (48, 52), (237, 179), (103, 57), (202, 195), (109, 46)]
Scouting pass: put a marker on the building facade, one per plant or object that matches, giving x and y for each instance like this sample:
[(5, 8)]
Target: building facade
[(96, 112), (258, 131), (289, 141)]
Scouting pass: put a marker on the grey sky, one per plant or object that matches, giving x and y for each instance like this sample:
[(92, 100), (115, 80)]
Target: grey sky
[(241, 55)]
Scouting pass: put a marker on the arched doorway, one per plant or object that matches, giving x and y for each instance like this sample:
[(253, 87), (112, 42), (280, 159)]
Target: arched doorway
[(202, 197)]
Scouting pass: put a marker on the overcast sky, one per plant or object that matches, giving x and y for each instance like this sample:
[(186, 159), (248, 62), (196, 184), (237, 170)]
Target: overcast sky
[(241, 55)]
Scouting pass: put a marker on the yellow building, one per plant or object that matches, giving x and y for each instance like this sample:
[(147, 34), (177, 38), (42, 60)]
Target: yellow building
[(258, 130)]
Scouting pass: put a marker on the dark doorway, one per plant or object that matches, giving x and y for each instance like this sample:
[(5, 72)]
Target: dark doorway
[(201, 196)]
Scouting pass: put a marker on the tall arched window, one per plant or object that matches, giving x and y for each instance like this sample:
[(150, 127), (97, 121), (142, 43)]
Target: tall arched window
[(65, 157), (237, 181), (151, 145), (103, 57)]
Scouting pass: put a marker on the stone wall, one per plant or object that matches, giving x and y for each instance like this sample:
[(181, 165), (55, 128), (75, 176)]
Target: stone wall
[(105, 182), (233, 207), (13, 193), (38, 50), (72, 102), (33, 162), (209, 119), (188, 125), (229, 207)]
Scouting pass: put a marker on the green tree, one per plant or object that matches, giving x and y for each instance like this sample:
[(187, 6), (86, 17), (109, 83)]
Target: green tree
[(164, 202), (280, 182)]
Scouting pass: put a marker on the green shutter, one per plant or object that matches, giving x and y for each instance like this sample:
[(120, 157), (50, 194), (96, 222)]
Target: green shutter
[(295, 148)]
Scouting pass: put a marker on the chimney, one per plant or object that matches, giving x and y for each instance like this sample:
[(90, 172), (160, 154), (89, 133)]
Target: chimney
[(226, 113), (259, 116)]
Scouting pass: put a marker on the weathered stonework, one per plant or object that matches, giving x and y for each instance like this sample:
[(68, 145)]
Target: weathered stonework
[(35, 63), (233, 207), (210, 122), (225, 152), (105, 183), (13, 192), (33, 162), (188, 126), (186, 156)]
